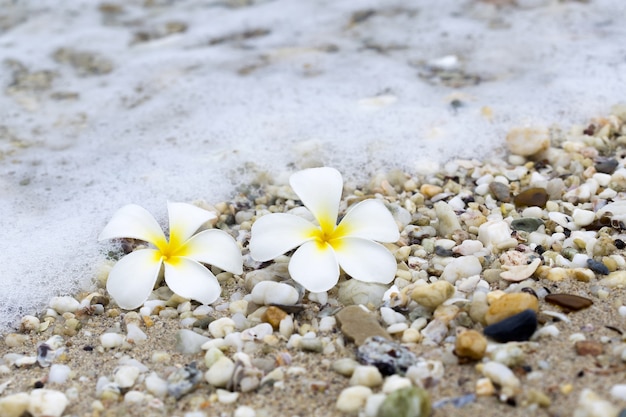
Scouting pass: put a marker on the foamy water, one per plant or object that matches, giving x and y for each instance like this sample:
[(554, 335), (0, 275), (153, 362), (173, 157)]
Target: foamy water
[(190, 100)]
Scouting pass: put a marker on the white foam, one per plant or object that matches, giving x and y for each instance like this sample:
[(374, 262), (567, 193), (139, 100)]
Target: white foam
[(176, 121)]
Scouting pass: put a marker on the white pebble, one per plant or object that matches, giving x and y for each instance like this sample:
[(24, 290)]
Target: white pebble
[(30, 323), (397, 328), (583, 217), (619, 392), (327, 324), (391, 316), (220, 373), (373, 403), (461, 267), (134, 334), (188, 341), (244, 411), (468, 247), (351, 399), (226, 397), (533, 211), (134, 398), (257, 332), (549, 331), (59, 373), (319, 297), (221, 327), (270, 292), (111, 340), (592, 405), (367, 376), (48, 403), (65, 304), (286, 327), (493, 233), (156, 385), (501, 375), (395, 382), (125, 376), (622, 311), (14, 405)]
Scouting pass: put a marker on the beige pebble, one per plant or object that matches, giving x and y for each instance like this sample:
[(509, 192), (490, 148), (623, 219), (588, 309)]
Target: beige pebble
[(429, 190), (367, 376), (432, 295), (484, 387), (526, 141), (509, 305), (352, 399)]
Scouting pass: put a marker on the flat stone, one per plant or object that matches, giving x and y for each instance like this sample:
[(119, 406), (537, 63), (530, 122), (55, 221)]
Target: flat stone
[(517, 328), (588, 347), (531, 197), (510, 304), (569, 301), (358, 324)]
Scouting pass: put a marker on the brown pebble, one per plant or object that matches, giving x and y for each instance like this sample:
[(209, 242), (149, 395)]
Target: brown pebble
[(273, 315), (569, 301), (531, 197), (588, 347), (470, 344), (357, 324)]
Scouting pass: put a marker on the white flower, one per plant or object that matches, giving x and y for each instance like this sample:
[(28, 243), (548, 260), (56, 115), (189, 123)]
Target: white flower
[(325, 246), (133, 277)]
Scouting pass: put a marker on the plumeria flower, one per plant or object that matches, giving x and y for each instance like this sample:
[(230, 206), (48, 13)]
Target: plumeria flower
[(133, 277), (324, 245)]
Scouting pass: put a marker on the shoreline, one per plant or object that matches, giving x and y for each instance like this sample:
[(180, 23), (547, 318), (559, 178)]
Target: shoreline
[(287, 376)]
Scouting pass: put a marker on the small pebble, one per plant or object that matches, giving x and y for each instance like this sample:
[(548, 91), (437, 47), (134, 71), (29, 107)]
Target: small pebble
[(569, 301), (526, 141), (470, 344), (47, 403), (189, 342), (531, 197), (510, 304), (358, 324), (273, 315), (388, 356), (588, 347), (220, 372), (501, 375), (597, 267), (367, 376), (432, 295), (183, 380), (352, 399), (406, 402), (270, 292), (111, 340)]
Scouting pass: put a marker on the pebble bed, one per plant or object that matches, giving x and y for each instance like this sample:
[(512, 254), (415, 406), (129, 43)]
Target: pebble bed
[(508, 300)]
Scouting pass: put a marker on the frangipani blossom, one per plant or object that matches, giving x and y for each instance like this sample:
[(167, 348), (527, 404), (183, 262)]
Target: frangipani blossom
[(133, 277), (326, 246)]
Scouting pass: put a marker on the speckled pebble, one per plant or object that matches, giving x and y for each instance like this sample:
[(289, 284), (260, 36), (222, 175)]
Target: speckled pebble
[(388, 356)]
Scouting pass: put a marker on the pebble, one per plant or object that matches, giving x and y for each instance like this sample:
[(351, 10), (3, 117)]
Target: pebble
[(189, 342), (470, 344), (386, 355), (14, 340), (29, 323), (588, 347), (125, 376), (111, 340), (569, 301), (461, 267), (345, 366), (226, 397), (359, 325), (406, 402), (519, 327), (395, 382), (618, 392), (58, 374), (615, 279), (14, 405), (221, 327), (352, 399), (273, 315), (65, 304), (134, 334), (354, 292), (270, 292), (47, 403), (183, 380), (367, 376), (527, 141), (448, 221), (591, 404), (220, 373), (597, 267), (156, 385), (494, 233), (532, 197), (432, 295), (500, 191), (527, 224), (510, 304), (501, 375)]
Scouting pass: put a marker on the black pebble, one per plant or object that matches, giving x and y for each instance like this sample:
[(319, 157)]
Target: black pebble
[(619, 244), (517, 328), (597, 267), (88, 348), (38, 385)]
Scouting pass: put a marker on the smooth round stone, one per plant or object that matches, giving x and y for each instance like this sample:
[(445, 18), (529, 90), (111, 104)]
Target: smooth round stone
[(189, 342), (48, 403), (125, 376), (352, 399), (220, 373), (517, 328), (406, 402), (532, 197), (501, 375), (448, 221), (588, 348), (494, 232), (273, 315), (468, 247), (367, 376), (510, 304), (270, 292), (526, 141), (597, 267), (156, 385), (433, 295), (501, 192), (583, 217), (527, 224), (221, 327), (470, 344), (591, 404), (569, 301), (354, 292), (111, 340), (461, 267), (395, 382), (606, 166), (345, 366), (59, 373), (65, 304), (244, 411)]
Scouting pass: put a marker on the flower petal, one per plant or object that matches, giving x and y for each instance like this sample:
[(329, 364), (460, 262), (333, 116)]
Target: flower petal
[(133, 277), (314, 266), (274, 234), (185, 220), (369, 219), (365, 260), (215, 247), (320, 191), (189, 279), (134, 222)]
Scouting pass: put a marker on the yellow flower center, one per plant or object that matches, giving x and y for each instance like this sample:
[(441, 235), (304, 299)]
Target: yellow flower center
[(329, 234), (169, 251)]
